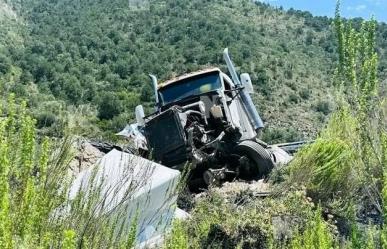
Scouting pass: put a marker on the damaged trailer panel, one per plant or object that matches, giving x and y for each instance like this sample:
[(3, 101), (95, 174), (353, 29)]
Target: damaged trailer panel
[(131, 186)]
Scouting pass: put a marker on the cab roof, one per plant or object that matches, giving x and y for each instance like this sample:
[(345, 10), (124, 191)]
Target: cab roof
[(186, 76)]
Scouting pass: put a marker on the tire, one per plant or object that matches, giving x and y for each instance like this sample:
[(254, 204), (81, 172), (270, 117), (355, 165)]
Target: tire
[(258, 155)]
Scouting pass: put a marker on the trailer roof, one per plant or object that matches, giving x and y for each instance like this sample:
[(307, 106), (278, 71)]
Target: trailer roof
[(186, 76)]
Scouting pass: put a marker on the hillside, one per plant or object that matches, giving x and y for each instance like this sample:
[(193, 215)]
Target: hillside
[(85, 63)]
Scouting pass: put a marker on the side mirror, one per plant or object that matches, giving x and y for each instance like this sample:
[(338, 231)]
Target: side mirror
[(139, 111), (246, 83)]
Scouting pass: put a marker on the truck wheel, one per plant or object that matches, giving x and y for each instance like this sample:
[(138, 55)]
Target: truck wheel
[(255, 161)]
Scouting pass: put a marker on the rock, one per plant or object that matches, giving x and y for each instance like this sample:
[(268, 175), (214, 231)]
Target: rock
[(238, 193), (256, 188), (283, 227), (87, 155)]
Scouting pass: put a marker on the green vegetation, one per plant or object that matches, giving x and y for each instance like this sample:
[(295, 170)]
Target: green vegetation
[(241, 221), (29, 193), (97, 54)]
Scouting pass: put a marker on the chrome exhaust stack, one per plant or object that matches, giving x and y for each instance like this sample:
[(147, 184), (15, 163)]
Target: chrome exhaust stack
[(252, 112), (154, 83)]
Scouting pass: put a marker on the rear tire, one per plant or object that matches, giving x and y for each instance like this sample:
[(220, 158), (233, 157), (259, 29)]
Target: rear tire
[(258, 156)]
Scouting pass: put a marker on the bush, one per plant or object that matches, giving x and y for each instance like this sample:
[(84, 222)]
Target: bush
[(109, 106), (316, 234), (345, 165), (45, 119), (289, 73), (293, 98), (262, 78), (330, 167), (5, 64), (146, 93), (237, 219), (323, 106), (305, 93), (32, 183), (280, 135)]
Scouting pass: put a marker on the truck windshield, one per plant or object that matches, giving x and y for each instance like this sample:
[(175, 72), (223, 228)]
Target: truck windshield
[(190, 87)]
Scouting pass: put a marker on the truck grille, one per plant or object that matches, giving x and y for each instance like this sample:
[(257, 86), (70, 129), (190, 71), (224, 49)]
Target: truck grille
[(166, 137)]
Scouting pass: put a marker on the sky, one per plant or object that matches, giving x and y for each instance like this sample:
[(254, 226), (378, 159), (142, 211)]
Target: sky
[(349, 8)]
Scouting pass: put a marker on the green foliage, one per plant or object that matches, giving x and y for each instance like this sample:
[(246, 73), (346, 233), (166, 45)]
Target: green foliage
[(331, 167), (122, 45), (130, 241), (305, 93), (45, 119), (280, 135), (242, 221), (109, 106), (29, 193), (323, 106), (178, 238), (331, 161), (69, 240), (348, 150), (293, 98), (315, 235), (5, 64), (345, 165)]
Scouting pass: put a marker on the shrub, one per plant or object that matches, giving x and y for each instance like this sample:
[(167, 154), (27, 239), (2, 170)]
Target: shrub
[(323, 106), (5, 64), (31, 182), (293, 98), (178, 237), (280, 135), (237, 219), (146, 93), (45, 119), (316, 234), (288, 73), (109, 106), (305, 93), (331, 167)]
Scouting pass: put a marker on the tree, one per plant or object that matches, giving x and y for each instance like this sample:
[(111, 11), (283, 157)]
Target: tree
[(109, 105), (309, 38), (122, 69), (146, 93), (5, 64)]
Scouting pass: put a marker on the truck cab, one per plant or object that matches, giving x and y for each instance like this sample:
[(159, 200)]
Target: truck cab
[(214, 89), (206, 119)]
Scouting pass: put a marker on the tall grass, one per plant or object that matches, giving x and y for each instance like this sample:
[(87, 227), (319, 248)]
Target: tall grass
[(347, 161), (36, 210), (31, 183), (331, 168), (315, 235)]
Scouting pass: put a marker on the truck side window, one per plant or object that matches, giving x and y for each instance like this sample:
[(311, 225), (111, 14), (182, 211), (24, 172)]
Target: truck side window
[(227, 88)]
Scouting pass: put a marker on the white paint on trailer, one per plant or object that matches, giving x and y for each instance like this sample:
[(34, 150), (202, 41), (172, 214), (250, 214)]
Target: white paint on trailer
[(130, 186)]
